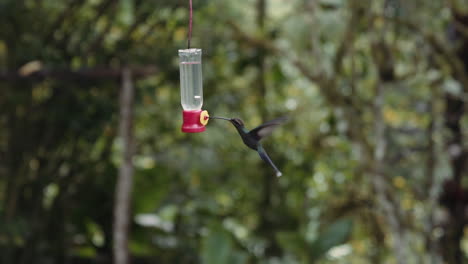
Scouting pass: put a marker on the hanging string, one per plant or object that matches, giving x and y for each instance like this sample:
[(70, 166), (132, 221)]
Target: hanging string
[(190, 24)]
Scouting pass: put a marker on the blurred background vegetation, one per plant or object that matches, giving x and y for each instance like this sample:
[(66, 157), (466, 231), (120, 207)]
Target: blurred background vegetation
[(374, 157)]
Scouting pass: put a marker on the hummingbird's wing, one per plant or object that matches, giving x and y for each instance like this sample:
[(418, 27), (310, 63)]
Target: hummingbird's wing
[(261, 151), (267, 128)]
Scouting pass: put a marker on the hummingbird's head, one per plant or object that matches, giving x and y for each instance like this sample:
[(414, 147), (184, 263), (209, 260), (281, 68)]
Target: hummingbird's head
[(237, 122)]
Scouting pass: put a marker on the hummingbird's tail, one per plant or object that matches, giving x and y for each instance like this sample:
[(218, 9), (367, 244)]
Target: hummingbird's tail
[(261, 151)]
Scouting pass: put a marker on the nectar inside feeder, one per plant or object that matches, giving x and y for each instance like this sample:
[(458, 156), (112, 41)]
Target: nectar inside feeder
[(191, 91)]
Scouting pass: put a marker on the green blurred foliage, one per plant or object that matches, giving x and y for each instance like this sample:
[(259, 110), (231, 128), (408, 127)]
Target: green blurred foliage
[(206, 198)]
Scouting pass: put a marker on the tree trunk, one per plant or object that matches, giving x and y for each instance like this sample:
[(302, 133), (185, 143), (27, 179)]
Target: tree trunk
[(380, 184), (454, 193), (267, 226), (125, 178)]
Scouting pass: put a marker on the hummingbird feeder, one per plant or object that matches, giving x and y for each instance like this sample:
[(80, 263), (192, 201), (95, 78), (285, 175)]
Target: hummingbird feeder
[(191, 86), (191, 91)]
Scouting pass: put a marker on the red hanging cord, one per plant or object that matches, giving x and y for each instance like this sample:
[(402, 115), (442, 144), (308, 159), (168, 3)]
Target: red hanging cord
[(190, 24)]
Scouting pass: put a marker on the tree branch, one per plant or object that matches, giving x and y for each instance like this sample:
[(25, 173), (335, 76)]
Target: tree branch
[(95, 74), (125, 179), (452, 60), (61, 18)]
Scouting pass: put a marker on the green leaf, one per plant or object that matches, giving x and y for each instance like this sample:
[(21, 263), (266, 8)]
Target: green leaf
[(216, 247), (127, 9), (291, 241), (336, 234), (238, 258)]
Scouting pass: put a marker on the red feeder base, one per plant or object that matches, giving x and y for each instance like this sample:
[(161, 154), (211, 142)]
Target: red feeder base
[(192, 122)]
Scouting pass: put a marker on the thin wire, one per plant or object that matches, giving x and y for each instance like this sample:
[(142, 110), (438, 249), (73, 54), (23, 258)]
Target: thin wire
[(190, 24)]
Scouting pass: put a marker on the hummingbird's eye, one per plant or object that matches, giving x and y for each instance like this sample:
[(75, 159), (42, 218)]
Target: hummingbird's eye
[(239, 122)]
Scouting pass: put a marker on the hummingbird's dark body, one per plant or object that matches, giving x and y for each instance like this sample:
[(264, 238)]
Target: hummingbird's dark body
[(244, 133), (252, 138)]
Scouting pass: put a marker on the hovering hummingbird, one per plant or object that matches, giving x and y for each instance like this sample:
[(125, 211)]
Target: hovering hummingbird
[(252, 138)]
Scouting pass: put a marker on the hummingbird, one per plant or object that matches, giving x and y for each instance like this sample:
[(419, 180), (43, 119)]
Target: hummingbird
[(253, 137)]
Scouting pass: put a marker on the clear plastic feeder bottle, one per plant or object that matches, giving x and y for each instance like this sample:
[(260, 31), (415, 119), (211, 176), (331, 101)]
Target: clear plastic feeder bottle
[(191, 91), (191, 82)]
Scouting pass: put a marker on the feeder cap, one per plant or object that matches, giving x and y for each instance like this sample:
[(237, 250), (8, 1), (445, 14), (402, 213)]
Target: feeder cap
[(204, 117)]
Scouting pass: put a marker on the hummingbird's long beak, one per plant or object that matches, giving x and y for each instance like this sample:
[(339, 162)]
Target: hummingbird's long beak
[(223, 118)]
